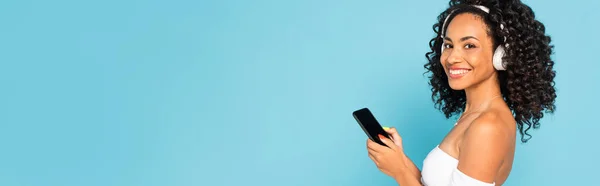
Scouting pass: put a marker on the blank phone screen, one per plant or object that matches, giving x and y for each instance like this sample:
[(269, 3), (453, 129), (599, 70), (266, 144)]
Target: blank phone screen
[(369, 124)]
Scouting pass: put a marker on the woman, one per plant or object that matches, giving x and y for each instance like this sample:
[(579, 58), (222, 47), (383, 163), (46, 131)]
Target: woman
[(490, 63)]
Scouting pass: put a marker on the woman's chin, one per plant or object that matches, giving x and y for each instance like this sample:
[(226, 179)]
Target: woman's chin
[(457, 85)]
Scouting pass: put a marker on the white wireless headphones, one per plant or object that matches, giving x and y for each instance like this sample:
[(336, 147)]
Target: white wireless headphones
[(499, 64)]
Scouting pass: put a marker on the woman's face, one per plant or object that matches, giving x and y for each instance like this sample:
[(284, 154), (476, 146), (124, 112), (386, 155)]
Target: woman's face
[(467, 56)]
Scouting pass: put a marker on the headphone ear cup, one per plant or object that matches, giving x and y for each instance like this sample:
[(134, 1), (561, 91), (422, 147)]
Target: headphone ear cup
[(499, 64)]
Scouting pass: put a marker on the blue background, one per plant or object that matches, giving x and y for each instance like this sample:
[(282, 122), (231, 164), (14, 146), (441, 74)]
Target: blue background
[(253, 92)]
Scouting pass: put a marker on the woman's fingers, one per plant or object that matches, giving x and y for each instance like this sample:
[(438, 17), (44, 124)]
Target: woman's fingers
[(395, 136), (372, 146), (376, 147), (388, 142), (373, 158)]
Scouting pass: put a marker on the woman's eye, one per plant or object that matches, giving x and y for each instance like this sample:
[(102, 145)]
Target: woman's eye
[(447, 46), (469, 46)]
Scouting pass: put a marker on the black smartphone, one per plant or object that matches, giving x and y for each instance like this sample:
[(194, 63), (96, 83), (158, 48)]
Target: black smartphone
[(369, 125)]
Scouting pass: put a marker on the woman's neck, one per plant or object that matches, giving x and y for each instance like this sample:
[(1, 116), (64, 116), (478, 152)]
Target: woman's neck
[(482, 93)]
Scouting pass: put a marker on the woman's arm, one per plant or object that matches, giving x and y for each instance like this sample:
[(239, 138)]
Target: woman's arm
[(407, 180), (484, 145), (410, 165), (412, 168), (392, 161), (483, 148), (410, 176)]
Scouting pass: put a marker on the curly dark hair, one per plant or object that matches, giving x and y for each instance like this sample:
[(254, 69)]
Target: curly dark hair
[(527, 84)]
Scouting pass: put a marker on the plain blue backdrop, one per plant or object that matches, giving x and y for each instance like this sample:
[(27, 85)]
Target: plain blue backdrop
[(238, 92)]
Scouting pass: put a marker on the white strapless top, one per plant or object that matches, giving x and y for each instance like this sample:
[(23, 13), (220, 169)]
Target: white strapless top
[(441, 169)]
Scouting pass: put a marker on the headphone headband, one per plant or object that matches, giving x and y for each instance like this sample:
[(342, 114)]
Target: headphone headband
[(483, 8)]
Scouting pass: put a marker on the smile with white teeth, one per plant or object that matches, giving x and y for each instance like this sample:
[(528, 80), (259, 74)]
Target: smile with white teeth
[(458, 72)]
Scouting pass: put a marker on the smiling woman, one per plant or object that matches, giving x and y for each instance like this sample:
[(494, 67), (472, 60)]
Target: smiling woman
[(468, 63), (484, 50)]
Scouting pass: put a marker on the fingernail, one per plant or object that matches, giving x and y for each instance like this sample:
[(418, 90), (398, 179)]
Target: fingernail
[(381, 136), (386, 128)]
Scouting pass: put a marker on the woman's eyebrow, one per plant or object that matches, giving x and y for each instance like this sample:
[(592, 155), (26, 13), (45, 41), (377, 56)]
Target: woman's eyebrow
[(462, 39), (468, 37)]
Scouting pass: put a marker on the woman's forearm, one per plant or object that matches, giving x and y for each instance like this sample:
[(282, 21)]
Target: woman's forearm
[(407, 179), (410, 165), (411, 175)]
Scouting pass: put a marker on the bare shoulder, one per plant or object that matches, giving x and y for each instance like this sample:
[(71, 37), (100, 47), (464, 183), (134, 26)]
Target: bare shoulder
[(493, 124), (485, 145)]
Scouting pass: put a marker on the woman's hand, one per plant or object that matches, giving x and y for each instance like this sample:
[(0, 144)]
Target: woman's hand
[(395, 137), (390, 160)]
